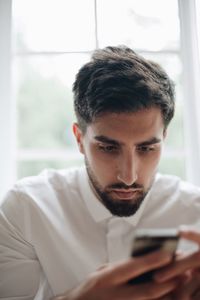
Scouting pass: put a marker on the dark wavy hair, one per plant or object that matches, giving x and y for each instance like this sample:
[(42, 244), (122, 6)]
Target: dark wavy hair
[(119, 80)]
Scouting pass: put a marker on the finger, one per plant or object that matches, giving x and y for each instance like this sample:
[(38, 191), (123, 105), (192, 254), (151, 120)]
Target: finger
[(122, 272), (167, 297), (150, 291), (190, 234), (179, 254), (178, 267), (188, 290), (104, 266), (196, 296)]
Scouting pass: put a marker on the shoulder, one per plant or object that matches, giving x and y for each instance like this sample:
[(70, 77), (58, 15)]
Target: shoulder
[(41, 195), (49, 180), (172, 202), (170, 185)]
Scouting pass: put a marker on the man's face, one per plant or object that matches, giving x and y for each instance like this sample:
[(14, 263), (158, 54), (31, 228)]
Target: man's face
[(122, 152)]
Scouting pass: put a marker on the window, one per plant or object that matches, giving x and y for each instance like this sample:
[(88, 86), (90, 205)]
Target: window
[(51, 41)]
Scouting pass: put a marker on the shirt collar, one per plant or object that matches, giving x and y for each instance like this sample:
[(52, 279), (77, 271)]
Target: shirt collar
[(97, 210)]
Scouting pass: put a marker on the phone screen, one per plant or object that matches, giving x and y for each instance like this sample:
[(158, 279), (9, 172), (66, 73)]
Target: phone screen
[(149, 240)]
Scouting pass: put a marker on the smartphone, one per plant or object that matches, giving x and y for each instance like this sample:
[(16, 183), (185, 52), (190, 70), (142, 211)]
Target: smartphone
[(149, 240)]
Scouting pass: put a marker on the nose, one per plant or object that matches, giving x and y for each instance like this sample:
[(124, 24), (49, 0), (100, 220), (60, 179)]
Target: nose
[(128, 169)]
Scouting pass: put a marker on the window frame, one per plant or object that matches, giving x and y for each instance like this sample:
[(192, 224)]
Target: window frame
[(9, 152)]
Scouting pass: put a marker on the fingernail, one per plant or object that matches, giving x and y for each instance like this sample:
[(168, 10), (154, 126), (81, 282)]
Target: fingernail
[(184, 228)]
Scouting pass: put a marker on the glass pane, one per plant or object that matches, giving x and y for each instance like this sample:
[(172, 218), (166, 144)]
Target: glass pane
[(44, 100), (144, 24), (173, 165), (31, 168), (170, 62), (42, 25)]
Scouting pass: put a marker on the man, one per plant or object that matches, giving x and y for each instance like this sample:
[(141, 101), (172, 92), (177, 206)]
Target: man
[(68, 234)]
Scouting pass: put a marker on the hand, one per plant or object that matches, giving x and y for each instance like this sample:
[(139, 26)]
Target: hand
[(110, 282), (187, 268)]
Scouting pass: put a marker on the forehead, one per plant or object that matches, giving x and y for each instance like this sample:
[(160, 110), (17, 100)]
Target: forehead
[(140, 125)]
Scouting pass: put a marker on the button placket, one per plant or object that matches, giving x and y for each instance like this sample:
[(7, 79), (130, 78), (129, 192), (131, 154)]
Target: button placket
[(115, 239)]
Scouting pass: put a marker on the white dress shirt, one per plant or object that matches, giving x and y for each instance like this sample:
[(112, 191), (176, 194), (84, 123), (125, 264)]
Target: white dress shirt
[(54, 231)]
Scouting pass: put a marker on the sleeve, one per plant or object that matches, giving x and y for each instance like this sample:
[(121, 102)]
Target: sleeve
[(21, 275)]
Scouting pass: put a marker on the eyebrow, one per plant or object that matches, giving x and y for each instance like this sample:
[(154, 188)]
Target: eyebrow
[(107, 140)]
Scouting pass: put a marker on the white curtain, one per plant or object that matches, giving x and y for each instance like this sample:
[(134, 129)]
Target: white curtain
[(189, 14)]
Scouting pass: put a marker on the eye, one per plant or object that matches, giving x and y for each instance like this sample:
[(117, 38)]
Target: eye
[(146, 149), (108, 148)]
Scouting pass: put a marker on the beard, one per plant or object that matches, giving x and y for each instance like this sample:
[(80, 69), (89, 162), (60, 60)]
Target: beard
[(117, 207)]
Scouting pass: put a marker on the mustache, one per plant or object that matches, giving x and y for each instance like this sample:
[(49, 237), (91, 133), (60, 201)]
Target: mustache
[(125, 187)]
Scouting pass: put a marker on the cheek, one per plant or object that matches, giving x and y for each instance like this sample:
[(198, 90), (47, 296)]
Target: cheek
[(156, 158), (103, 166), (149, 166), (153, 161)]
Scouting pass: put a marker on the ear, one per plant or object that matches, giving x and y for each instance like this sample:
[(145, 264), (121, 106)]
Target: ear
[(79, 137)]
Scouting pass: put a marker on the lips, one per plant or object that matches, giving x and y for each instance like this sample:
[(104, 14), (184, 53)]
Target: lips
[(125, 195)]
